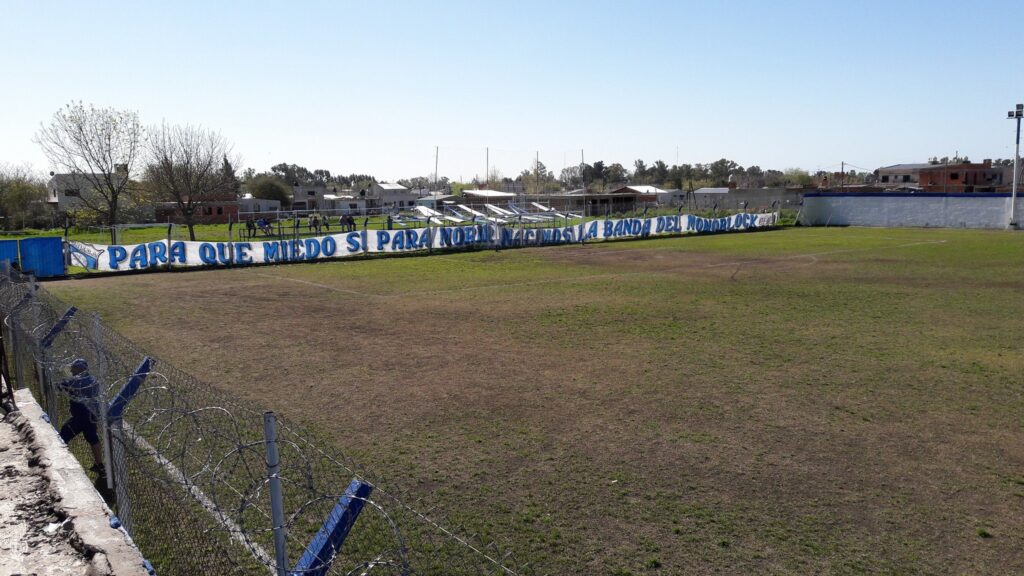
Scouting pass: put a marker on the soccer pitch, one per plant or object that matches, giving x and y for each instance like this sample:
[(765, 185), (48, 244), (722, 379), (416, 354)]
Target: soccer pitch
[(795, 401)]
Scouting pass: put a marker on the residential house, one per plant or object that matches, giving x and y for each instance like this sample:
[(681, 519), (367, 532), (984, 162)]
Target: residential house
[(649, 193), (389, 196), (965, 177), (64, 191), (901, 175)]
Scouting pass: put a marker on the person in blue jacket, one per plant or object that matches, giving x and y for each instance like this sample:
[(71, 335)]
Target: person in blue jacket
[(84, 394)]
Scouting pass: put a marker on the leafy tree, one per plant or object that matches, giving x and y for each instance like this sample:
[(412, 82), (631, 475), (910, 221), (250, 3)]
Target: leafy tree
[(639, 171), (659, 173), (774, 178), (101, 147), (537, 179), (22, 199), (416, 182), (321, 176), (228, 174), (292, 174), (270, 188), (571, 177), (798, 177), (616, 173), (720, 170)]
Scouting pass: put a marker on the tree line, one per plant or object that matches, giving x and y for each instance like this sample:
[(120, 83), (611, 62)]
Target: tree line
[(123, 166)]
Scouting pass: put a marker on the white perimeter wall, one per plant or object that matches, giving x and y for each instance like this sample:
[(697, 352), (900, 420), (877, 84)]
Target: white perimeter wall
[(918, 210)]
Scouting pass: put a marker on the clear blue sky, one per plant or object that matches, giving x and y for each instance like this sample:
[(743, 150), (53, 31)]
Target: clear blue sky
[(372, 87)]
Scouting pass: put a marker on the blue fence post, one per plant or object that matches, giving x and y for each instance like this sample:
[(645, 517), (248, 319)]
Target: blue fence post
[(116, 408), (47, 340), (115, 412), (327, 542), (45, 386)]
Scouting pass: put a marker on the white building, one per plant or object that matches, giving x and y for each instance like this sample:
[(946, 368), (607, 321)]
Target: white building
[(248, 204), (64, 191), (661, 196), (344, 203), (436, 201), (389, 196), (310, 197)]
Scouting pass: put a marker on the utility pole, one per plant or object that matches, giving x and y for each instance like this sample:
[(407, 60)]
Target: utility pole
[(487, 168), (435, 168), (536, 171), (583, 179), (842, 181), (1016, 114)]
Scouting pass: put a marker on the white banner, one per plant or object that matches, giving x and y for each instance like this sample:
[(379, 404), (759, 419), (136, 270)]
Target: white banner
[(164, 254)]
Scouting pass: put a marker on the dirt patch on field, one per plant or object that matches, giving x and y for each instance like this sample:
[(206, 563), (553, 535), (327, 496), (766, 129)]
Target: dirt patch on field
[(643, 409)]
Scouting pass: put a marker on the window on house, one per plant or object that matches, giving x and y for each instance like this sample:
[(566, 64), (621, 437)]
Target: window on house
[(220, 210), (72, 192), (954, 176), (906, 177), (885, 178), (311, 193)]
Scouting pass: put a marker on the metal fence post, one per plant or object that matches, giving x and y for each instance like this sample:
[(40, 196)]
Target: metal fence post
[(276, 498), (49, 394), (46, 382), (114, 415), (99, 372), (120, 469), (16, 351)]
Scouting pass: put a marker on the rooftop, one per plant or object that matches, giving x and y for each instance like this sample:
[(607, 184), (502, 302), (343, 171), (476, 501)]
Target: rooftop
[(488, 194), (645, 189), (918, 166)]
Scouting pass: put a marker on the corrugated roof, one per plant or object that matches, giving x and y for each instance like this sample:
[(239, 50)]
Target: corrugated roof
[(488, 194), (387, 186), (643, 189)]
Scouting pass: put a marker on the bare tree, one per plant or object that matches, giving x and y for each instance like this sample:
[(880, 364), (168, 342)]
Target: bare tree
[(189, 166), (99, 147)]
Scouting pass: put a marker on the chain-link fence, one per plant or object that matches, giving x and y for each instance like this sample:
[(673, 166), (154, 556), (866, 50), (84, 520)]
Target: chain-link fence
[(205, 483)]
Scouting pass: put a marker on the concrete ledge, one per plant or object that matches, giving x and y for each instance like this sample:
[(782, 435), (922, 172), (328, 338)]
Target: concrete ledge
[(112, 551)]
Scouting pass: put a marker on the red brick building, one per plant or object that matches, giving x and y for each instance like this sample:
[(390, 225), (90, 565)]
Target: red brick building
[(964, 177), (216, 212)]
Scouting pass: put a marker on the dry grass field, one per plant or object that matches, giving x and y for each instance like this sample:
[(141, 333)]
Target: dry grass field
[(788, 402)]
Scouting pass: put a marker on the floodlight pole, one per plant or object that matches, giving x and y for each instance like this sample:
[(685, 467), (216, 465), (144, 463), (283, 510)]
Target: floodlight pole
[(1016, 114)]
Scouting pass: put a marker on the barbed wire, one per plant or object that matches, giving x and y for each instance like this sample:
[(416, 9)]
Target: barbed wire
[(185, 466)]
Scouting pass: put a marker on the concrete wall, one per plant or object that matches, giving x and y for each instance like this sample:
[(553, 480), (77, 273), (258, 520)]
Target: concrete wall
[(920, 209), (756, 199), (72, 496)]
